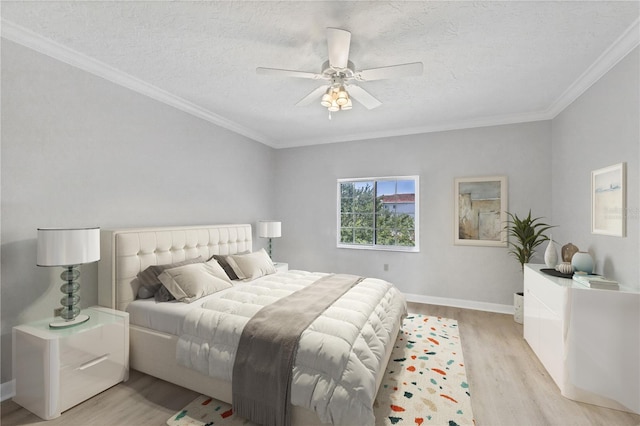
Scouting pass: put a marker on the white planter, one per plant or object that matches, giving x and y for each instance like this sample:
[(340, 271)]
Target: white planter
[(518, 307)]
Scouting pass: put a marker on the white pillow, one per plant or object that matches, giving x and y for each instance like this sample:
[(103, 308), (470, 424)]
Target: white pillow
[(218, 270), (191, 282), (252, 265)]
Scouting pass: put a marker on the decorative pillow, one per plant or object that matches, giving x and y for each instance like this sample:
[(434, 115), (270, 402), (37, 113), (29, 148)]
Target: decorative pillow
[(163, 295), (222, 260), (191, 282), (148, 279), (216, 269), (252, 265), (145, 293)]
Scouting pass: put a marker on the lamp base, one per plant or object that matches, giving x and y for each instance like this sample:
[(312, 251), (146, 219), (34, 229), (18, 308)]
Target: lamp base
[(63, 323)]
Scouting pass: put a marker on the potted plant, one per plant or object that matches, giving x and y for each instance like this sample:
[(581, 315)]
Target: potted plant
[(525, 234)]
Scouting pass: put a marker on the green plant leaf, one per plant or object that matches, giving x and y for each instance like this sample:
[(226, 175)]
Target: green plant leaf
[(528, 233)]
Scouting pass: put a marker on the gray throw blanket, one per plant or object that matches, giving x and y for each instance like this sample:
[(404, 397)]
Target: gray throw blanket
[(262, 372)]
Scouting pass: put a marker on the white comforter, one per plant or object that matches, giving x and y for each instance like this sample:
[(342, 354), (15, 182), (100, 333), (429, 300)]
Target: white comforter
[(339, 357)]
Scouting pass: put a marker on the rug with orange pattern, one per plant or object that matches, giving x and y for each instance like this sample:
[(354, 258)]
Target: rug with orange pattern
[(425, 382)]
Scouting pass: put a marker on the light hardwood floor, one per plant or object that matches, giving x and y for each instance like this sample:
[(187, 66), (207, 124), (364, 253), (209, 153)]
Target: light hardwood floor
[(508, 386)]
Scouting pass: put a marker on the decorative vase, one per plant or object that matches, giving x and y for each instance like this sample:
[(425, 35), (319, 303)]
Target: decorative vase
[(550, 254), (582, 262), (568, 250)]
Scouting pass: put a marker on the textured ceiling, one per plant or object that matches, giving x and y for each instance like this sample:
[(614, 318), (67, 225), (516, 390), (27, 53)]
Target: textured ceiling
[(485, 62)]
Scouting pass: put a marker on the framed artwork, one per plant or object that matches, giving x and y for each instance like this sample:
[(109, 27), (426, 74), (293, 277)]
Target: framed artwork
[(609, 200), (480, 211)]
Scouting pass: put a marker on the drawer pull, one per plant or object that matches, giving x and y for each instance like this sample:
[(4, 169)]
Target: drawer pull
[(93, 362)]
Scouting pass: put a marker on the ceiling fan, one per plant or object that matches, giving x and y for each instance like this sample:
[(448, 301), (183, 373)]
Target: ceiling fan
[(340, 76)]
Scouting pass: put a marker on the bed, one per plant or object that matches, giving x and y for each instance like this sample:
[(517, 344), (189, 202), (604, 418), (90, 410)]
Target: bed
[(155, 328)]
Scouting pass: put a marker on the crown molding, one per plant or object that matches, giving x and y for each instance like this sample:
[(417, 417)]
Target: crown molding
[(439, 127), (620, 48), (34, 41)]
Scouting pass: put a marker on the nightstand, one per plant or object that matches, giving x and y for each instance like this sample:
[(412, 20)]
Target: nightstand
[(281, 266), (57, 369)]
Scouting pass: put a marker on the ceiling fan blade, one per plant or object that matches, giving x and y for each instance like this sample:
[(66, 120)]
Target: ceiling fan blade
[(338, 41), (288, 73), (312, 96), (362, 96), (392, 71)]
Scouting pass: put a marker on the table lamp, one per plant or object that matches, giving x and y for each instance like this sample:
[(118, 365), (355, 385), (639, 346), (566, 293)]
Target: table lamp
[(68, 248), (269, 229)]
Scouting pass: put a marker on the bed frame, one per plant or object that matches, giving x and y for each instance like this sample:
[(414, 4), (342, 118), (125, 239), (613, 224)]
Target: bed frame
[(125, 252)]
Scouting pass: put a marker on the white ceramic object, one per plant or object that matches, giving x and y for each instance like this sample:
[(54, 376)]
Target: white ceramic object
[(565, 268), (550, 254)]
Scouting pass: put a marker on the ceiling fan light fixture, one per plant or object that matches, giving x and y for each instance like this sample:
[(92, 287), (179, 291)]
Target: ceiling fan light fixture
[(327, 98), (342, 96), (326, 101), (334, 107), (347, 106)]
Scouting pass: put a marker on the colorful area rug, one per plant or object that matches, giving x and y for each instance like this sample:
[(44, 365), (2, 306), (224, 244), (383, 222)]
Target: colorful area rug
[(425, 382)]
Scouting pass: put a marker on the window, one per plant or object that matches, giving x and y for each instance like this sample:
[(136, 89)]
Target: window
[(378, 213)]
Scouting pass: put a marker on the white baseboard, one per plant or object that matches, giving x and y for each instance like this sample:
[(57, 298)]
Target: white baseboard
[(7, 390), (460, 303)]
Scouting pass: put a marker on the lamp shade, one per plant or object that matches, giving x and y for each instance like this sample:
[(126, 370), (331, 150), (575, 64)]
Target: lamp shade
[(67, 247), (269, 229)]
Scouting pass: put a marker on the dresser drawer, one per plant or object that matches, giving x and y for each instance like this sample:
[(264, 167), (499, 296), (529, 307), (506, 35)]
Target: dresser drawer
[(548, 293)]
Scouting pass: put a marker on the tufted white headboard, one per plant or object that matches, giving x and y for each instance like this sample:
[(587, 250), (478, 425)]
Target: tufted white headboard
[(125, 252)]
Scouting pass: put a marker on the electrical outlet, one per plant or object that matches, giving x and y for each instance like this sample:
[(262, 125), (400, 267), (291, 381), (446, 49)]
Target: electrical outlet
[(386, 267), (57, 311)]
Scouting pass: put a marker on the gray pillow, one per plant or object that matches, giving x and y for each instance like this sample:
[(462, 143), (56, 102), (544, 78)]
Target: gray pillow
[(145, 293), (163, 295), (148, 279), (222, 260)]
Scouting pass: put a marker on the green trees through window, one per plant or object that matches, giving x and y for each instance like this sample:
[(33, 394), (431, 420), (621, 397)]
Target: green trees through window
[(378, 213)]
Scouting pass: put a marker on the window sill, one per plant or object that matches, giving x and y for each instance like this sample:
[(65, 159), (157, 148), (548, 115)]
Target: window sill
[(380, 248)]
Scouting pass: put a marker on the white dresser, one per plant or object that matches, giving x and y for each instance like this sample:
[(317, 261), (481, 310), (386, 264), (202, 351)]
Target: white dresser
[(587, 339), (56, 369)]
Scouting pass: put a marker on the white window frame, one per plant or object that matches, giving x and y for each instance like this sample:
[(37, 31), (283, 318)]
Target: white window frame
[(414, 249)]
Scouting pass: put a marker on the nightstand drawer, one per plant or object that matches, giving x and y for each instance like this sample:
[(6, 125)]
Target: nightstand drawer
[(79, 349), (91, 363)]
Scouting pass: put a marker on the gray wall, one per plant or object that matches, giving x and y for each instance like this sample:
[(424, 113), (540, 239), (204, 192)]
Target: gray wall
[(599, 129), (306, 204), (78, 150)]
